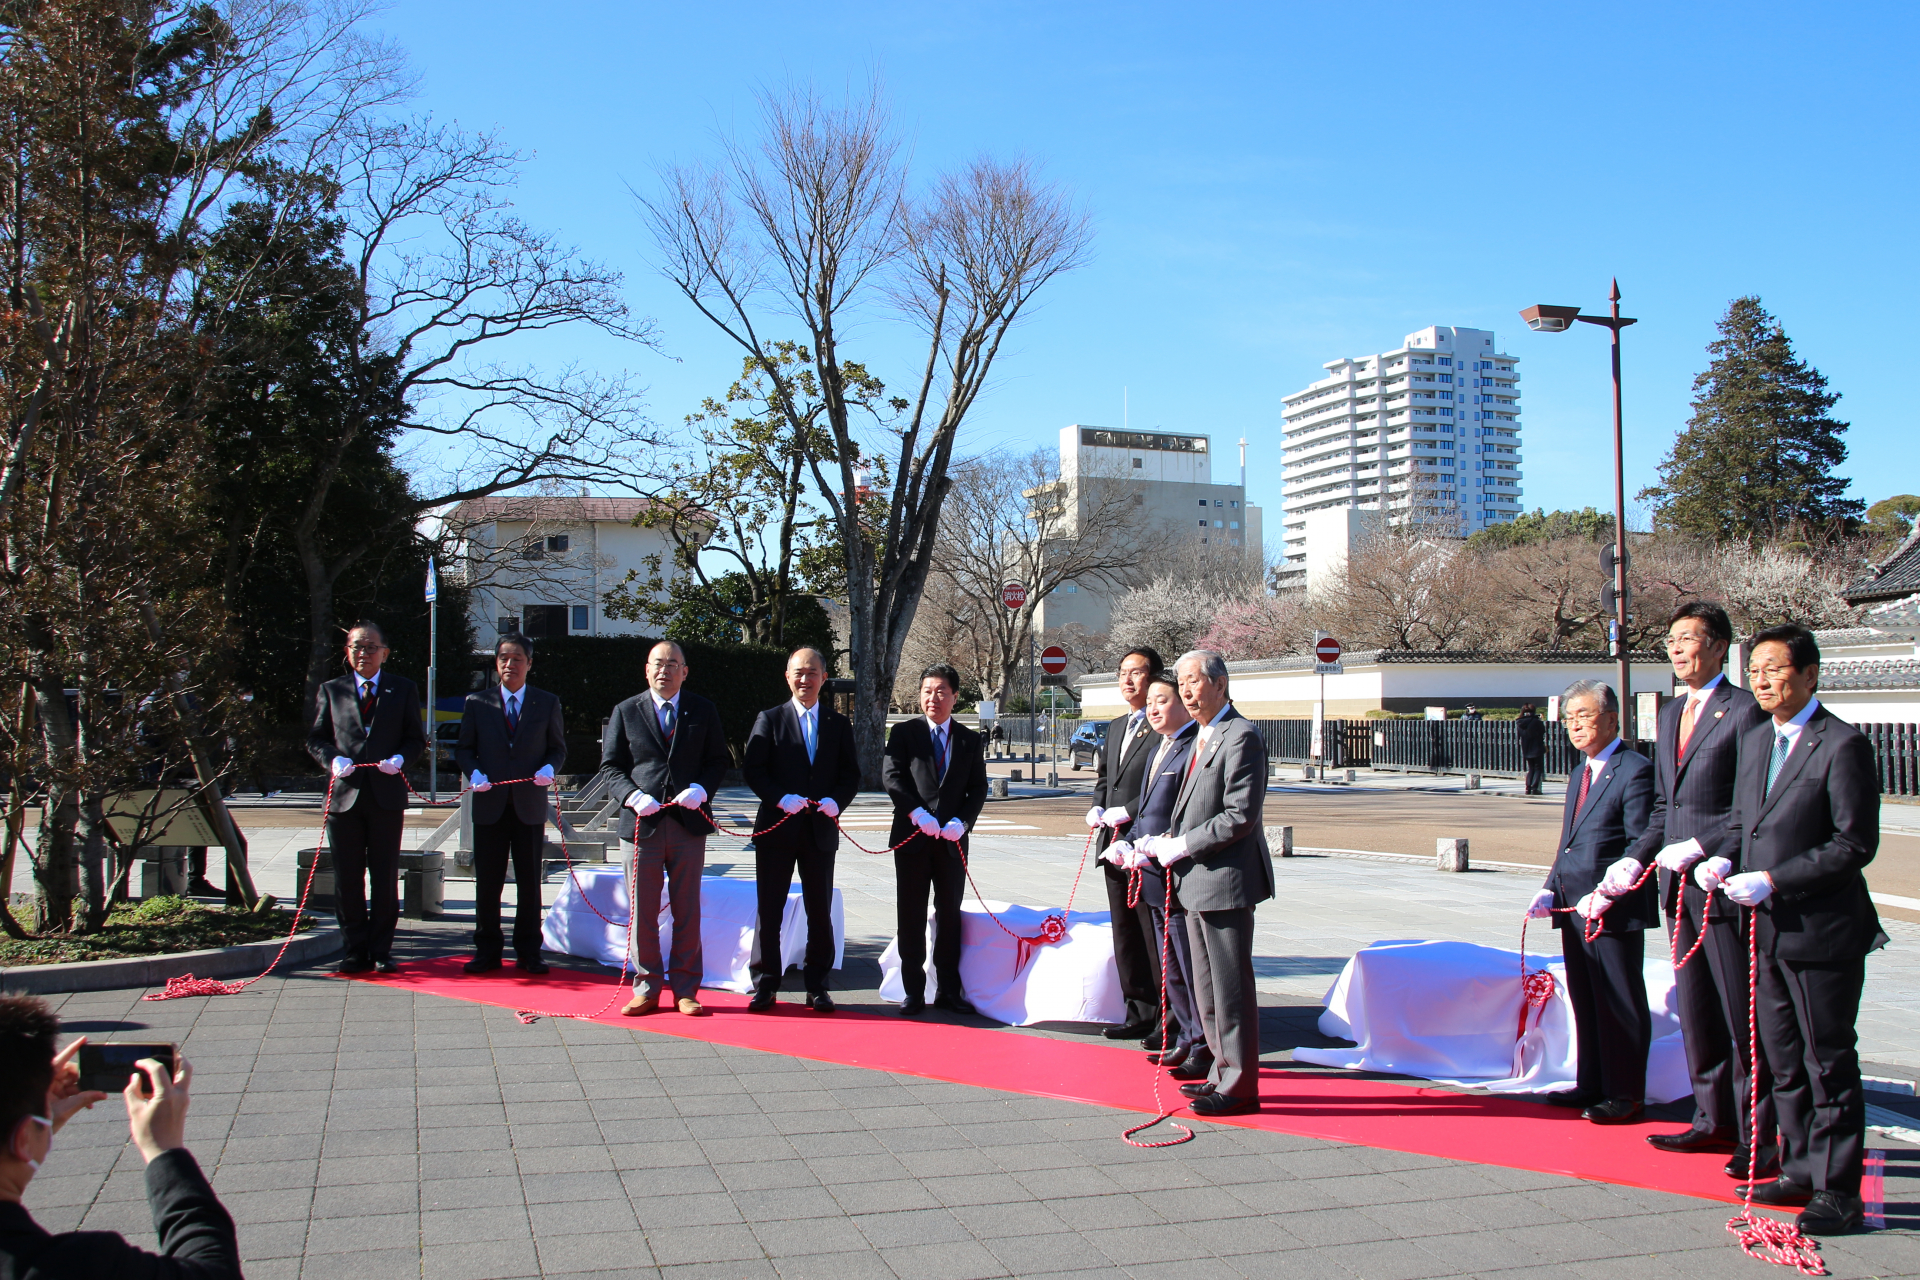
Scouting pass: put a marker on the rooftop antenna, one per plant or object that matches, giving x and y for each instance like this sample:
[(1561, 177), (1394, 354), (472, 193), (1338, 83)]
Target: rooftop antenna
[(1123, 408), (1243, 466)]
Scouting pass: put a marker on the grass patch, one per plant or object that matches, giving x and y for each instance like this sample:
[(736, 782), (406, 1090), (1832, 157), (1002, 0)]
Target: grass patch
[(154, 927)]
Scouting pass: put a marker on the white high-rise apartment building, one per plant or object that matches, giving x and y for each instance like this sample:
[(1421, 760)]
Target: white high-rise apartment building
[(1429, 432)]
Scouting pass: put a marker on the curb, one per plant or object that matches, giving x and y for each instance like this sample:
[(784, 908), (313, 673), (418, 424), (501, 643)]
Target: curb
[(153, 971)]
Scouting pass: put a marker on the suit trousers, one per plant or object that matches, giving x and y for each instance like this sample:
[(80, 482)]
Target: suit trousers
[(1703, 1019), (493, 844), (774, 862), (1612, 1025), (1806, 1015), (1135, 951), (365, 843), (1725, 952), (1536, 775), (1170, 946), (1224, 995), (920, 863), (676, 857)]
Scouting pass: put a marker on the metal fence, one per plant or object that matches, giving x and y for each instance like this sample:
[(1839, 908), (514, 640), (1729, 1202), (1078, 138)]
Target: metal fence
[(1896, 754), (1436, 746)]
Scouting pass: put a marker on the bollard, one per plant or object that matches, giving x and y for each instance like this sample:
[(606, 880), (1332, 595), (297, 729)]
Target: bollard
[(1306, 773), (999, 788), (1014, 774), (1450, 853), (1349, 777), (1280, 841), (1473, 782)]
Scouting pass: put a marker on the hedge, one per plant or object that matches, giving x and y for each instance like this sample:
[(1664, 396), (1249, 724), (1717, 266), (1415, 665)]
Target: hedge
[(594, 674)]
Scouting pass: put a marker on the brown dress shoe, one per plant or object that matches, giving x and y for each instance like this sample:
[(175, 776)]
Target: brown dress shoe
[(692, 1008), (640, 1006)]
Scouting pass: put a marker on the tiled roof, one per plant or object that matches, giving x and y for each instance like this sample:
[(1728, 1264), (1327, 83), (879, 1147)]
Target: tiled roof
[(1870, 673), (558, 508), (1897, 577), (1448, 657), (1840, 637)]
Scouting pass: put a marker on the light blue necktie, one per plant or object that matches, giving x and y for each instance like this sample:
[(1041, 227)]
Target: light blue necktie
[(1781, 747), (666, 721), (807, 731)]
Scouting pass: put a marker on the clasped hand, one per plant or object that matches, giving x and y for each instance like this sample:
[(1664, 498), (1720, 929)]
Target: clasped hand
[(1678, 857), (392, 765), (1620, 878)]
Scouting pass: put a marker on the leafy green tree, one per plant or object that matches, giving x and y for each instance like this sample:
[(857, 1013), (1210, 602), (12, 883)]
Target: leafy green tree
[(1890, 520), (1529, 529), (1756, 461), (715, 612)]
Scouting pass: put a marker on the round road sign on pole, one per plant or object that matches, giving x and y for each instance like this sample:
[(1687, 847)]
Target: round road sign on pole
[(1053, 659), (1013, 594), (1327, 649)]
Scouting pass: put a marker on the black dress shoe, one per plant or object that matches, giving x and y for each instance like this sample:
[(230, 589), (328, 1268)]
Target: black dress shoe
[(1198, 1066), (1694, 1140), (385, 964), (820, 1002), (1832, 1213), (481, 964), (1615, 1111), (1155, 1042), (1579, 1098), (953, 1002), (1198, 1089), (763, 1000), (1129, 1031), (912, 1005), (1170, 1058), (356, 964), (1220, 1104), (534, 967), (1781, 1191), (1738, 1168)]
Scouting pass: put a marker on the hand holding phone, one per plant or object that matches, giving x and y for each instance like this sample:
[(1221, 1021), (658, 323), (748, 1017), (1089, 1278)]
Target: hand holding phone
[(108, 1067), (157, 1105)]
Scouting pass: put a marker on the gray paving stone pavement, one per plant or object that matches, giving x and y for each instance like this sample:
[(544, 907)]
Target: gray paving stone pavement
[(360, 1131)]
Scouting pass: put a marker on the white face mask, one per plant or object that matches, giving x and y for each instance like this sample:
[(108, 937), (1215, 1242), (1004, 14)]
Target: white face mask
[(35, 1164)]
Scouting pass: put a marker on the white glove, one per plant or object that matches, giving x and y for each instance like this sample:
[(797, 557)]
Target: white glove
[(791, 804), (691, 798), (1167, 850), (342, 766), (953, 830), (829, 806), (1541, 908), (1593, 906), (1093, 817), (1117, 853), (1116, 817), (1710, 873), (392, 765), (1620, 877), (642, 804), (479, 781), (925, 821), (543, 777), (1749, 888), (1136, 859), (1678, 857)]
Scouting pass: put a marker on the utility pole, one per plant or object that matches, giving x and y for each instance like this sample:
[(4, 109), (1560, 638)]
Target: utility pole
[(433, 680)]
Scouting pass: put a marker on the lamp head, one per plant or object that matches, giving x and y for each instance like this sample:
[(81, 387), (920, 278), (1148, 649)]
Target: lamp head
[(1548, 319)]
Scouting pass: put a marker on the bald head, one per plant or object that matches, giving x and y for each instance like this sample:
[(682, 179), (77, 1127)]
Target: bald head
[(666, 670)]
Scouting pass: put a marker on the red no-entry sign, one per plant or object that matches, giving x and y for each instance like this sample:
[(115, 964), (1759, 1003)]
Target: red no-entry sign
[(1053, 659), (1327, 650), (1013, 594)]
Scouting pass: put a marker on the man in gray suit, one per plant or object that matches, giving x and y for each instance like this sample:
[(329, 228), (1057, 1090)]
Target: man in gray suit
[(511, 731), (1217, 855)]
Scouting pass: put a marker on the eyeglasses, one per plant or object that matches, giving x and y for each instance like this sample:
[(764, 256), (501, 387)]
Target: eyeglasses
[(1770, 673), (1584, 717), (1686, 638), (366, 648)]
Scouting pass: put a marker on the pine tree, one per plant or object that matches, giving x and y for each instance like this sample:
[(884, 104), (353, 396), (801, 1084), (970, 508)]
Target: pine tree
[(1756, 461)]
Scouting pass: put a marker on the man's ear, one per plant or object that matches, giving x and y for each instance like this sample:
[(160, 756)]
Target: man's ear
[(17, 1146)]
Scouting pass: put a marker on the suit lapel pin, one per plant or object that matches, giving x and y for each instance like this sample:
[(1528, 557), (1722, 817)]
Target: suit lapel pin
[(1718, 714)]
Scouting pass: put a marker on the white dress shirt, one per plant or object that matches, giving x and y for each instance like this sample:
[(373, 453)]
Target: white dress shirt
[(1126, 735), (809, 718), (1791, 729), (1596, 763)]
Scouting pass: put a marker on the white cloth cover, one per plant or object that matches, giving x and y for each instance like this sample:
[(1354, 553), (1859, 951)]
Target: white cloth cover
[(727, 925), (1073, 980), (1448, 1011)]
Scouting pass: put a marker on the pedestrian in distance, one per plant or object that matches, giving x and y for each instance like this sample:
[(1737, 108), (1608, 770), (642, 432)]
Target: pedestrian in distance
[(1606, 811), (367, 728), (1118, 768), (664, 755), (510, 731), (1532, 732), (801, 761)]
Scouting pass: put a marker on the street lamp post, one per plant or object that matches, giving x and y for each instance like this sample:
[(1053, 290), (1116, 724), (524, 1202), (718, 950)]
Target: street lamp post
[(1549, 319)]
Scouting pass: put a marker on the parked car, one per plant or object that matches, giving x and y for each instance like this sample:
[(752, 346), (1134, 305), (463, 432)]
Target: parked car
[(1088, 741)]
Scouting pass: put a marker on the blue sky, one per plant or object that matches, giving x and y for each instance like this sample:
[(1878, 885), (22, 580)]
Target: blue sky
[(1273, 186)]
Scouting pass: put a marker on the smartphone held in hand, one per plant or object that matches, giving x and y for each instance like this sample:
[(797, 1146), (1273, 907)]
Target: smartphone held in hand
[(107, 1067)]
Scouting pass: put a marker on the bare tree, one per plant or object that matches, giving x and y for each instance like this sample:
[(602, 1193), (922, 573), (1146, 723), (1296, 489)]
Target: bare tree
[(1403, 591), (951, 627), (815, 224), (1012, 517)]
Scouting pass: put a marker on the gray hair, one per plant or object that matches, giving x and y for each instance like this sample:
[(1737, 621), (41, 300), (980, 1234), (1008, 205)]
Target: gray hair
[(1212, 665), (1600, 689)]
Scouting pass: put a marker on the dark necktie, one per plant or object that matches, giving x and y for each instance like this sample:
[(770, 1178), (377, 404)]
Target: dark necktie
[(666, 723), (939, 754), (513, 716), (1586, 781), (367, 691)]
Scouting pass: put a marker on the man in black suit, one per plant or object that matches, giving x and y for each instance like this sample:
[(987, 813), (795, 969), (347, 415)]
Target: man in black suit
[(1697, 745), (936, 775), (1532, 732), (1607, 807), (800, 756), (665, 754), (1217, 855), (1806, 815), (367, 717), (510, 731), (1116, 792)]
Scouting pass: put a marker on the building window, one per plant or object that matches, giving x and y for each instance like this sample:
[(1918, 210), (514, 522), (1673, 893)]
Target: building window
[(1203, 502), (507, 624), (581, 619), (1203, 524), (1071, 589), (1233, 524), (543, 620), (1234, 503), (1136, 464), (558, 542), (1216, 502)]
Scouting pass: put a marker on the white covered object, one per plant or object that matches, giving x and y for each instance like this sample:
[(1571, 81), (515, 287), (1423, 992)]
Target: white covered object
[(1448, 1011), (727, 925), (1073, 980)]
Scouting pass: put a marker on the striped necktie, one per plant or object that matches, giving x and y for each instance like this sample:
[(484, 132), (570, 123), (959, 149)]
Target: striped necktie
[(1782, 747), (368, 700)]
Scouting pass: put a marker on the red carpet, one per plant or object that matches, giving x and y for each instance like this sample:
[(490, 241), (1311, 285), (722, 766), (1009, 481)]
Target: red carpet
[(1372, 1113)]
